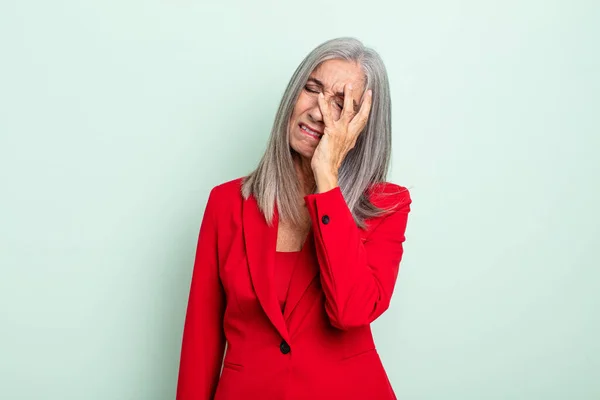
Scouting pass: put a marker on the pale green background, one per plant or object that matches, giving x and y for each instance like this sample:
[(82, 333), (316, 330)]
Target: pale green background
[(118, 117)]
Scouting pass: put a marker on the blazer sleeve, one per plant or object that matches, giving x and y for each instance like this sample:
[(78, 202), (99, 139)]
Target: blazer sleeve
[(357, 277), (203, 339)]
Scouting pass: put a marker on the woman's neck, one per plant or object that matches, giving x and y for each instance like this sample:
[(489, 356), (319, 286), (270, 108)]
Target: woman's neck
[(305, 174)]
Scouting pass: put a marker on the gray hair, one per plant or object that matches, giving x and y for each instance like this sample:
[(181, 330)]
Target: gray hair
[(275, 179)]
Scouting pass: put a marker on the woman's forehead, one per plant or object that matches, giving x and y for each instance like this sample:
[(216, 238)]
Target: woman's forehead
[(334, 74)]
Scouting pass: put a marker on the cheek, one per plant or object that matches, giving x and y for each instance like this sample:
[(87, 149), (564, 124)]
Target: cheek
[(295, 115), (304, 103)]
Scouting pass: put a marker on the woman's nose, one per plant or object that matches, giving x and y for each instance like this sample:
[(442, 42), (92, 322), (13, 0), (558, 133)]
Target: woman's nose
[(315, 112)]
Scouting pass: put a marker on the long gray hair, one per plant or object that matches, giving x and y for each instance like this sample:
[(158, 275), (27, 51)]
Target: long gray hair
[(275, 180)]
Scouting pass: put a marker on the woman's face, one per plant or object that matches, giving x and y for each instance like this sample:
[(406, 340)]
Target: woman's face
[(306, 123)]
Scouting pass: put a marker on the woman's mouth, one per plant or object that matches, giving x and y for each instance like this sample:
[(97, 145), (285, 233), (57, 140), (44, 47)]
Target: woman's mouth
[(310, 132)]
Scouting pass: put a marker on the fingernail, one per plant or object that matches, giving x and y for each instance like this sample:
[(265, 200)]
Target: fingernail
[(350, 86)]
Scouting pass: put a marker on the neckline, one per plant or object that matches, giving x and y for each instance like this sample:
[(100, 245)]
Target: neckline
[(305, 243)]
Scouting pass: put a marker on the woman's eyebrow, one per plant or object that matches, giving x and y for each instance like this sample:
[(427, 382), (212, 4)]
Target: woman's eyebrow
[(318, 82), (315, 80), (337, 94)]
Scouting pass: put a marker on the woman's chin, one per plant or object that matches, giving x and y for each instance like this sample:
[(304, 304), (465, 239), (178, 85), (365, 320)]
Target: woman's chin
[(304, 152)]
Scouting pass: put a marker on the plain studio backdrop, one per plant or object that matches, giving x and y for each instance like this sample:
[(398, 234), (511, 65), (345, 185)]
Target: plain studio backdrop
[(118, 117)]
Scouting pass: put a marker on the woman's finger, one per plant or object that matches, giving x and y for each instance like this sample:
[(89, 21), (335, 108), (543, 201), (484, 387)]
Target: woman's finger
[(325, 110), (348, 111), (360, 119)]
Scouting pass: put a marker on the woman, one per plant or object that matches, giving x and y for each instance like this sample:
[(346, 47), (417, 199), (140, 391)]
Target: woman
[(296, 260)]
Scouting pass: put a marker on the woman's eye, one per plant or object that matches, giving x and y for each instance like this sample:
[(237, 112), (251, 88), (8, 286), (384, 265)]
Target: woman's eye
[(340, 106), (310, 89)]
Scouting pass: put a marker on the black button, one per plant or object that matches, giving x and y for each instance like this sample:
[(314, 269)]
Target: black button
[(325, 219), (284, 347)]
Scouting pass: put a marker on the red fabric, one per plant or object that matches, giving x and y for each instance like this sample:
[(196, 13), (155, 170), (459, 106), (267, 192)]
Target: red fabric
[(284, 266), (343, 281)]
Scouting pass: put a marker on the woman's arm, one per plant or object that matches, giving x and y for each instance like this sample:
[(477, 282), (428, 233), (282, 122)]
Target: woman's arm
[(358, 278), (203, 340)]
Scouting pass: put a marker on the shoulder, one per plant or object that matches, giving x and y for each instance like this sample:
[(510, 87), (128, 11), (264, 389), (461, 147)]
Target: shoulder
[(389, 195), (228, 190), (226, 195)]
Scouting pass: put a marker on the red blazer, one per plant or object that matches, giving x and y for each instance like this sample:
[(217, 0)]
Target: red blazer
[(320, 346)]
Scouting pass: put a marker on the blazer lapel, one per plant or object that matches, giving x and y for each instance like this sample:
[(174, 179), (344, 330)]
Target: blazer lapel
[(261, 243), (305, 271)]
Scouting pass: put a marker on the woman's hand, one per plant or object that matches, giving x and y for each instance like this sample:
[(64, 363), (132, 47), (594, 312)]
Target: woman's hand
[(339, 137)]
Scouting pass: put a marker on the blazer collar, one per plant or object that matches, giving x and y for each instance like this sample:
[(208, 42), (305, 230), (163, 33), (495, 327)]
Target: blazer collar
[(261, 244)]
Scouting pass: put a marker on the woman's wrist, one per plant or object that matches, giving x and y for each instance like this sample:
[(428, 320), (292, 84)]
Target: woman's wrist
[(325, 181)]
